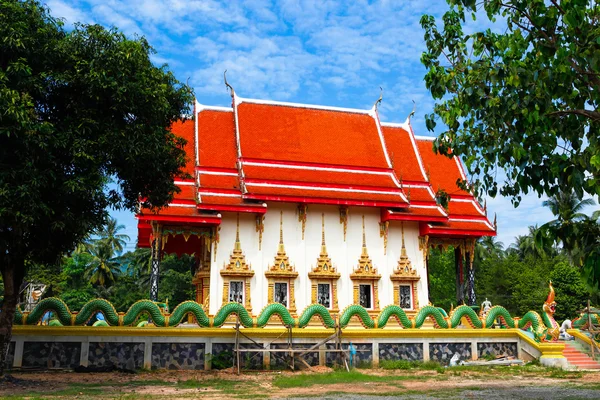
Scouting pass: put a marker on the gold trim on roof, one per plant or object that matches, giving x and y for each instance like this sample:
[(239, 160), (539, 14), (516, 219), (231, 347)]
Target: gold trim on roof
[(260, 228), (302, 211), (344, 219), (383, 232)]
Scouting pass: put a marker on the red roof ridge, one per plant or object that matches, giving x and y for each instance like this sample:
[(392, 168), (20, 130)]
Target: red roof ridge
[(315, 166), (239, 100)]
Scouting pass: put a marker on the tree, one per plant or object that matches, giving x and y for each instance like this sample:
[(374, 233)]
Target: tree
[(109, 235), (79, 109), (566, 207), (103, 267), (524, 100), (571, 292)]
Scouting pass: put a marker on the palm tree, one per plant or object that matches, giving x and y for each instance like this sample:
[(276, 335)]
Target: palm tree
[(533, 244), (489, 246), (566, 207), (109, 234), (104, 267)]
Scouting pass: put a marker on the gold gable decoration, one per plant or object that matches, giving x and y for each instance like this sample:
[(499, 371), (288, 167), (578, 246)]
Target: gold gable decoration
[(237, 270), (404, 270), (324, 272), (405, 274), (365, 273), (282, 270), (365, 269)]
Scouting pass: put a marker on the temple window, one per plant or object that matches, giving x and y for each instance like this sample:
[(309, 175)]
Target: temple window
[(281, 276), (236, 291), (324, 294), (365, 279), (236, 275), (365, 296), (324, 277), (406, 297), (280, 294)]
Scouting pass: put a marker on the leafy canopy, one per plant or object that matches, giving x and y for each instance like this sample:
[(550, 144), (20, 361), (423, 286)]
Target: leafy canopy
[(524, 100), (79, 109)]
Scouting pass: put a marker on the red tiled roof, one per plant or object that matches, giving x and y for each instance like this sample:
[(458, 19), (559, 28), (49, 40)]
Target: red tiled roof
[(443, 171), (216, 139), (185, 129), (403, 153), (312, 154), (309, 135)]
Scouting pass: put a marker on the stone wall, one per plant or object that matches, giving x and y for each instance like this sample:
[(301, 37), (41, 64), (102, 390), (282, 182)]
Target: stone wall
[(443, 352), (279, 360), (51, 354), (178, 356), (222, 356), (497, 349), (10, 356), (128, 356), (401, 351), (362, 359)]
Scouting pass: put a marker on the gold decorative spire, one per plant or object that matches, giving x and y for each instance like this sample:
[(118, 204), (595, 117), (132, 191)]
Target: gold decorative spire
[(365, 267), (324, 268), (237, 265), (281, 267), (404, 269)]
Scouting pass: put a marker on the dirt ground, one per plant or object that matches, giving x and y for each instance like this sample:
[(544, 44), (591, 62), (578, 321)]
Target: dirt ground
[(226, 384)]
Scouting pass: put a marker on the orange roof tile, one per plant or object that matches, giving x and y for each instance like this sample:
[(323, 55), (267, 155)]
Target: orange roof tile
[(216, 139), (403, 153), (309, 135), (185, 129), (318, 173), (443, 171)]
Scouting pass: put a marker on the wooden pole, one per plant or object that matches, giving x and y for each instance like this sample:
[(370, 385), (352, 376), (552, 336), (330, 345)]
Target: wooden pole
[(590, 327)]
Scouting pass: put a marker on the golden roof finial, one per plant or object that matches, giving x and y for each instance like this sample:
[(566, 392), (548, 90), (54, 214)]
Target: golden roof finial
[(281, 248), (403, 252), (238, 245), (323, 229), (364, 243)]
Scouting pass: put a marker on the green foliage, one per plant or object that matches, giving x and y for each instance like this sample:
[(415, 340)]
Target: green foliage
[(406, 364), (523, 98), (571, 291), (175, 280), (442, 283), (79, 109)]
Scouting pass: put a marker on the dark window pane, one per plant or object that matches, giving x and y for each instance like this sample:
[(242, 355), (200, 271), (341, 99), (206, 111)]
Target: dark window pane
[(405, 297), (324, 294), (280, 294), (365, 295), (236, 291)]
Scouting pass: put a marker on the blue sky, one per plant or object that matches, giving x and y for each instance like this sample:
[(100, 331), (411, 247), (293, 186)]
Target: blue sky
[(335, 53)]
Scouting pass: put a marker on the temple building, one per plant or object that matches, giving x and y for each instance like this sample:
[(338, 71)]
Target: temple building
[(302, 204)]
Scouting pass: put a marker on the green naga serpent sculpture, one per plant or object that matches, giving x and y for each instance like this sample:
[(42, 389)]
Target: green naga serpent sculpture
[(544, 328)]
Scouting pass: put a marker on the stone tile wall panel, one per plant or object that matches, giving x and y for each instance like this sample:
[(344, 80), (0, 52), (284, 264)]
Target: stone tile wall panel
[(362, 359), (497, 349), (443, 352), (128, 356), (51, 354), (223, 354), (178, 356), (401, 351), (280, 360)]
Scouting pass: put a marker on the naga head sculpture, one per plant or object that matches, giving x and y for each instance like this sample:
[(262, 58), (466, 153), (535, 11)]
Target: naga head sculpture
[(550, 305)]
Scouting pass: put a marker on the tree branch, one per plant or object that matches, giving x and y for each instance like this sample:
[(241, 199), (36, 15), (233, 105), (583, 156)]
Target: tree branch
[(593, 115)]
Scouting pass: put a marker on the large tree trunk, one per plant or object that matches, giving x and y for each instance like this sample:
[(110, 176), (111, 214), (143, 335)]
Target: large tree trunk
[(12, 275)]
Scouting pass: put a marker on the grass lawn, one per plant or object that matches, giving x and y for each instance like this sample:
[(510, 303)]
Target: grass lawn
[(420, 379)]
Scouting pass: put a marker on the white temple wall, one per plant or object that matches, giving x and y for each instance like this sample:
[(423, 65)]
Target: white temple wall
[(303, 254)]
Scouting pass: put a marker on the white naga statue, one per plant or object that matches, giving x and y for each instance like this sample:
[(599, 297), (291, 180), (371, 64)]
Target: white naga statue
[(485, 306)]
